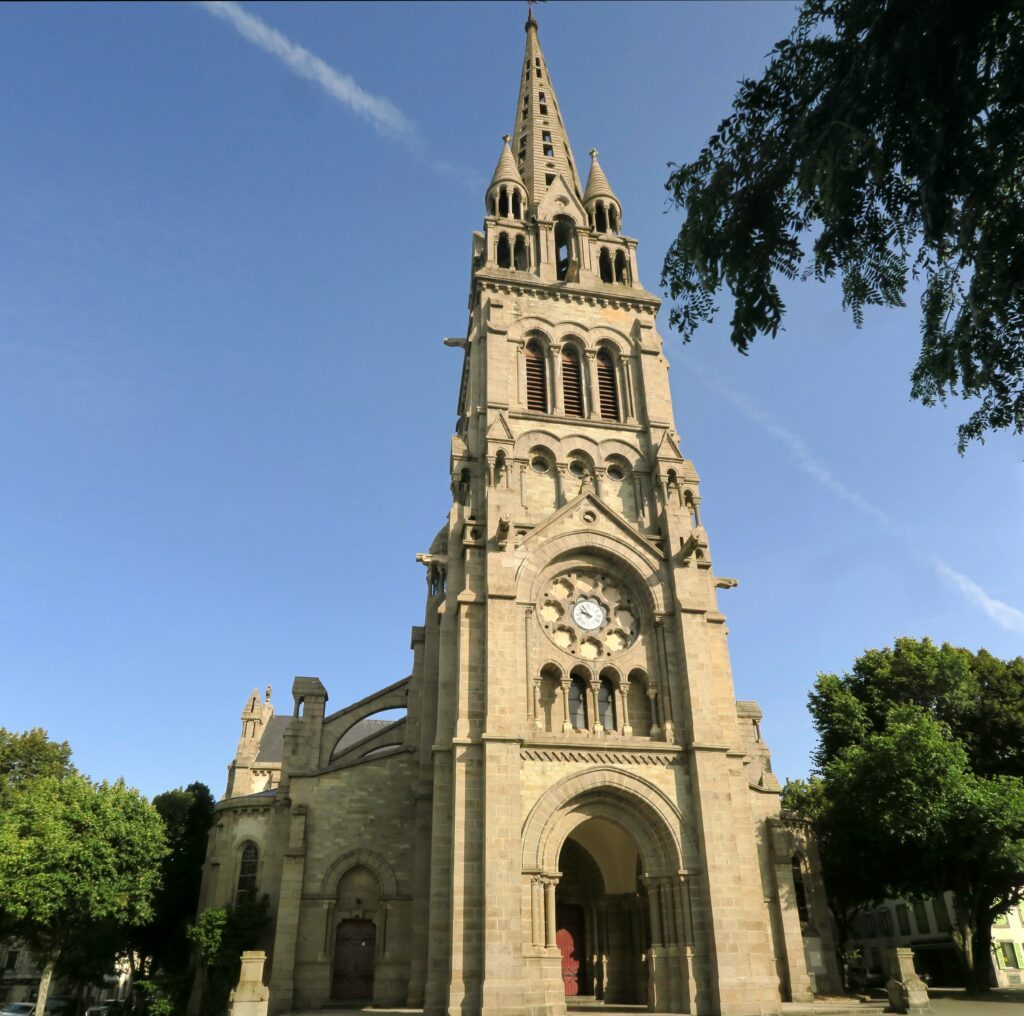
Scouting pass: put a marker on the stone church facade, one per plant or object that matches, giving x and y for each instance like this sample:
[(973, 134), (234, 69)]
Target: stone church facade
[(571, 803)]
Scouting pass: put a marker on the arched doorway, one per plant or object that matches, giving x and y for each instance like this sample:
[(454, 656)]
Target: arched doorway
[(355, 936), (603, 932), (607, 861), (355, 947)]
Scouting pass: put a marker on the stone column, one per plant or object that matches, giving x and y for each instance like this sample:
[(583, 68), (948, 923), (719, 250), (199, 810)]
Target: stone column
[(550, 917), (654, 905), (593, 688), (556, 380), (566, 722), (593, 404), (624, 726), (537, 909), (652, 695)]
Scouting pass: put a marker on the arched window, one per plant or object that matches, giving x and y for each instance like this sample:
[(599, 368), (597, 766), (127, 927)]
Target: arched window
[(522, 260), (605, 263), (613, 219), (572, 382), (607, 388), (503, 203), (801, 890), (578, 704), (247, 870), (621, 270), (606, 705), (536, 379), (691, 507), (494, 205), (517, 205), (565, 247), (601, 219), (504, 252)]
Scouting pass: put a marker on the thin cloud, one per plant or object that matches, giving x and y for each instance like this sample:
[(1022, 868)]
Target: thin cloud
[(385, 117), (1003, 614)]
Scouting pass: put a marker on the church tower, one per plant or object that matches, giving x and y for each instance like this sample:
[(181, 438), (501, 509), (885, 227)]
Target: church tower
[(603, 814), (574, 806)]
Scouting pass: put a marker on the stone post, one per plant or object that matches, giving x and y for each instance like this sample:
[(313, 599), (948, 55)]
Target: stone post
[(907, 992), (250, 996)]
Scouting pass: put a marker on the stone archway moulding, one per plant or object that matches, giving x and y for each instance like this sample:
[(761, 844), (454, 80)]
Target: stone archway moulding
[(644, 568), (652, 819), (361, 858)]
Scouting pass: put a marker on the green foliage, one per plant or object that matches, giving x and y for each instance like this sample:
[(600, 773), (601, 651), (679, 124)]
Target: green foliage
[(79, 861), (884, 140), (208, 933), (25, 756), (919, 783), (220, 936), (187, 815), (156, 1000)]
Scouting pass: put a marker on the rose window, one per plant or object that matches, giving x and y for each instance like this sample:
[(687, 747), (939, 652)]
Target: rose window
[(589, 614)]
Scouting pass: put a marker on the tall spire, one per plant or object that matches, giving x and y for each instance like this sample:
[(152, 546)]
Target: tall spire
[(540, 142)]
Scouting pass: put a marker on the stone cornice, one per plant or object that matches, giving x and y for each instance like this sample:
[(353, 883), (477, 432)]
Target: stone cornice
[(510, 281), (605, 754)]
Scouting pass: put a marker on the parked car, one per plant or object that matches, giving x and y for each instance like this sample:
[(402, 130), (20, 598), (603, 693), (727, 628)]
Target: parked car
[(862, 978), (108, 1007), (18, 1009)]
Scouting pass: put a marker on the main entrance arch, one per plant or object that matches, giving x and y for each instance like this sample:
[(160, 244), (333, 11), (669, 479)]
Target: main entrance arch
[(605, 853), (601, 909)]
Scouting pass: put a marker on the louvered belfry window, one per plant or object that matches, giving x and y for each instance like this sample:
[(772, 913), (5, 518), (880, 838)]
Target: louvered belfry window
[(536, 381), (572, 382), (608, 391)]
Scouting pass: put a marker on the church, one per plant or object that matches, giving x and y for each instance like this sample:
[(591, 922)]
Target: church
[(564, 804)]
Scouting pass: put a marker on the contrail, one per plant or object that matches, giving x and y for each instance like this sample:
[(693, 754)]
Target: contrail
[(386, 118), (1007, 617)]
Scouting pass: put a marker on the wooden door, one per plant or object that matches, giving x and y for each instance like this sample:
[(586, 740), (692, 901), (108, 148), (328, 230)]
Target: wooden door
[(354, 952), (569, 938)]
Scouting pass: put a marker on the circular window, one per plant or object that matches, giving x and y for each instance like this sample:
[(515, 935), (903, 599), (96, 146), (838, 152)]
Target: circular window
[(539, 464), (589, 614), (616, 473), (577, 468)]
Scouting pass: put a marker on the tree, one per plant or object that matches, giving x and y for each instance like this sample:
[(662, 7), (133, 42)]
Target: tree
[(25, 756), (919, 784), (884, 140), (187, 815), (73, 854)]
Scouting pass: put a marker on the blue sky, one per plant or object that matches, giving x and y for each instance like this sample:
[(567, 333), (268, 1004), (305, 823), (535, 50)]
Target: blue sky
[(217, 253)]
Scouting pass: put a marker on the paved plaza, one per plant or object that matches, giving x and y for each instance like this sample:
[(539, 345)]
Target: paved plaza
[(945, 1002)]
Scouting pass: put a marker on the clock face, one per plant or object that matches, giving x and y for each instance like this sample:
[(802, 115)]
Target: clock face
[(588, 615)]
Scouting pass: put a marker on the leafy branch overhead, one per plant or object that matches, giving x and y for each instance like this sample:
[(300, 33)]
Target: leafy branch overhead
[(883, 142)]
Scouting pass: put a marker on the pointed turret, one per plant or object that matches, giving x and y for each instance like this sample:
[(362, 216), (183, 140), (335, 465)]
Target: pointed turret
[(506, 195), (540, 143), (602, 205)]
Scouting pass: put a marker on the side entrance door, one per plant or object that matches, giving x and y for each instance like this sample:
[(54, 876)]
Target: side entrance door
[(569, 937), (354, 952)]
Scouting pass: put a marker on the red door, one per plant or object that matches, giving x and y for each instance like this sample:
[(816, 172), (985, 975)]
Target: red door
[(569, 937), (353, 960)]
